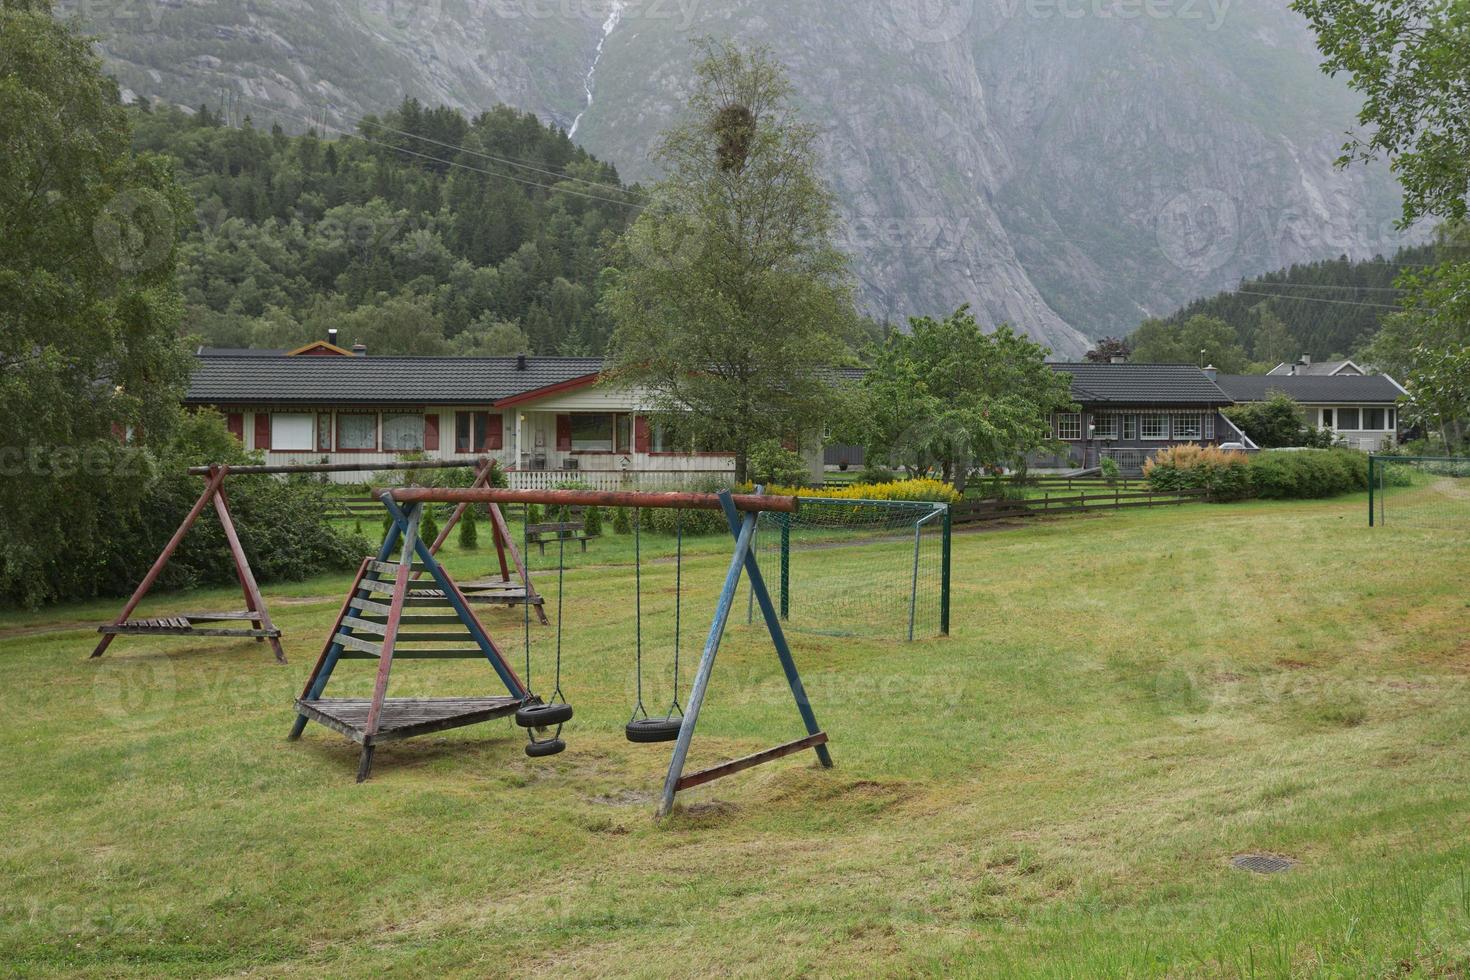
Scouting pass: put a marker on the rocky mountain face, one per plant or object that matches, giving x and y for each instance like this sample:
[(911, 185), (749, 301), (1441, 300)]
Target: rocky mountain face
[(1069, 166)]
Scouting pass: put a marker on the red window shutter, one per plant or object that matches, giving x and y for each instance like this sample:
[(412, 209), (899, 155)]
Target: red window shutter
[(262, 430), (494, 431), (563, 433), (235, 422), (431, 432), (640, 434)]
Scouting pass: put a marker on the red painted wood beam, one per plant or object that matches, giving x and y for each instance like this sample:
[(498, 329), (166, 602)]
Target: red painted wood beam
[(588, 498), (746, 762)]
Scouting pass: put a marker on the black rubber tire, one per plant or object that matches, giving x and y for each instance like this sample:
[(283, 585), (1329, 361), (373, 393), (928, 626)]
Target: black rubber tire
[(550, 746), (645, 730), (543, 715)]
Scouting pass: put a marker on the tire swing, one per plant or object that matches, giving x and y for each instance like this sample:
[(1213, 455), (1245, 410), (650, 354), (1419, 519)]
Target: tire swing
[(538, 716), (641, 728)]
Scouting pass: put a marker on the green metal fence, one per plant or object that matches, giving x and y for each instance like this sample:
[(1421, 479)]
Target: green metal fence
[(1419, 491), (876, 568)]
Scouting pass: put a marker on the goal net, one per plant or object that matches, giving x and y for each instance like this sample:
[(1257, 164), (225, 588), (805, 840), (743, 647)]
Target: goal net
[(874, 568), (1419, 491)]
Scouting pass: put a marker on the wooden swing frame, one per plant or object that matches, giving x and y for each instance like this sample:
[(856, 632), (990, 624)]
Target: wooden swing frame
[(257, 617), (364, 720)]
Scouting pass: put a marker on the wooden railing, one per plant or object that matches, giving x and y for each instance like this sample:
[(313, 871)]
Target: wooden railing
[(993, 509)]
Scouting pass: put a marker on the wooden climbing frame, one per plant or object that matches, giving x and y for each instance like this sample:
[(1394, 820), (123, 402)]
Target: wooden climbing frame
[(506, 589)]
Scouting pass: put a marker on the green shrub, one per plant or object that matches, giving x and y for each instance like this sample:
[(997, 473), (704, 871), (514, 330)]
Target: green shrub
[(469, 530), (622, 524), (1111, 471), (428, 524), (592, 518), (772, 463), (876, 473), (1308, 473), (533, 514)]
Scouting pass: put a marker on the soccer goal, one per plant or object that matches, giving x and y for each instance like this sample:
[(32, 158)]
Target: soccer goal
[(874, 568), (1418, 491)]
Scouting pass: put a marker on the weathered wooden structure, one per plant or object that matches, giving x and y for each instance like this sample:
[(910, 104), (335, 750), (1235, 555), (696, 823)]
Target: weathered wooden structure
[(384, 616), (509, 588)]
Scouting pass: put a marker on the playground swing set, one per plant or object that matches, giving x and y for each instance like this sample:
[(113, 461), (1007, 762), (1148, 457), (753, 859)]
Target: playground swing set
[(385, 614), (506, 589)]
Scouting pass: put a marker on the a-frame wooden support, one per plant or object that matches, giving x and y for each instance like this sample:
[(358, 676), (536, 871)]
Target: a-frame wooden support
[(743, 528), (506, 590), (380, 620), (255, 613)]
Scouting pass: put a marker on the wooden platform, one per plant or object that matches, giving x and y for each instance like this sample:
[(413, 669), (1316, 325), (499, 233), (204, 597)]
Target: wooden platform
[(404, 717), (184, 625)]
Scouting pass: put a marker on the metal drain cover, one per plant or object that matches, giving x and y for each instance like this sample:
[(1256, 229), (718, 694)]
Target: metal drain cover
[(1261, 864)]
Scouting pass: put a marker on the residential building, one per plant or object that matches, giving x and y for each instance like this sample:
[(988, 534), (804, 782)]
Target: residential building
[(546, 419), (1361, 408)]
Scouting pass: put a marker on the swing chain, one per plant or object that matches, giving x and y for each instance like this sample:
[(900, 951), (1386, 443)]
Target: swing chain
[(638, 709)]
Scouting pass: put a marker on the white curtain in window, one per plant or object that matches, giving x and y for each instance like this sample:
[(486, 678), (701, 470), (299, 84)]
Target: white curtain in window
[(357, 432), (403, 433)]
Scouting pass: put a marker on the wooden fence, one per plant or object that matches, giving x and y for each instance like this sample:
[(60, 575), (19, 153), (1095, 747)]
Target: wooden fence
[(992, 509)]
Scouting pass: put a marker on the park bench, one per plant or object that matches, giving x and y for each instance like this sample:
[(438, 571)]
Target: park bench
[(541, 534)]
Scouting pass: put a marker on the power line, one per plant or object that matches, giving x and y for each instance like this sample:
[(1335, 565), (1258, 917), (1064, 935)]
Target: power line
[(508, 161), (451, 163), (1319, 299)]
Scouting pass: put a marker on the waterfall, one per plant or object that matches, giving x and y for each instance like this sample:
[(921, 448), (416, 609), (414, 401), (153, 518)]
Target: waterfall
[(614, 14)]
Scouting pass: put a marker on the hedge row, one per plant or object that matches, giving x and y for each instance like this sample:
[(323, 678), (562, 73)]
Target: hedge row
[(931, 490), (1270, 474)]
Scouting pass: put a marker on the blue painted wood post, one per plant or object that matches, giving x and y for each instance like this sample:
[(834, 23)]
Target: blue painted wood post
[(778, 635), (334, 652), (743, 534)]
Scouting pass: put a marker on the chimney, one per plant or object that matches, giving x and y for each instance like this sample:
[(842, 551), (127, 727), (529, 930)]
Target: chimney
[(360, 349), (332, 336), (1211, 372), (520, 362), (1117, 359)]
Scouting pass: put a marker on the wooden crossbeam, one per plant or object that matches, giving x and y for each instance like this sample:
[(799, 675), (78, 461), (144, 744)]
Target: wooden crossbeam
[(703, 776)]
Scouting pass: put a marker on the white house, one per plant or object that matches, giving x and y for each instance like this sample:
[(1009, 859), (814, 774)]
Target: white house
[(546, 419), (1363, 409)]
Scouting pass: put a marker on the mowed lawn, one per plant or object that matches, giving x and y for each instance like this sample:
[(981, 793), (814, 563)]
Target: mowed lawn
[(1127, 701)]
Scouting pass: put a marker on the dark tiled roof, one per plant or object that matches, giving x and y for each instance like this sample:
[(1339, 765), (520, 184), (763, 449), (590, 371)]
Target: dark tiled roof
[(1338, 388), (1141, 384), (234, 378)]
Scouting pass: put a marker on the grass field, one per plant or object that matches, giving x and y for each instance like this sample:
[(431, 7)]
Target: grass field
[(1127, 701)]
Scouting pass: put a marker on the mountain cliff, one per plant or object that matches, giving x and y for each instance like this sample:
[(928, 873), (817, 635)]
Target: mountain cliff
[(1070, 166)]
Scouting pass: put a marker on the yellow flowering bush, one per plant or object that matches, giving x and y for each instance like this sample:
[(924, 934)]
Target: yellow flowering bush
[(922, 489)]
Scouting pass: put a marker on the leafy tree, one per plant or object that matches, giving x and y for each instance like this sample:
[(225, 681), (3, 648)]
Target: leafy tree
[(730, 301), (1278, 421), (88, 302), (1439, 386), (1271, 342), (948, 398), (1199, 340), (1107, 349), (1410, 59)]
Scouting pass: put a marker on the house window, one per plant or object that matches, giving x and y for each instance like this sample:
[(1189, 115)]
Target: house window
[(592, 433), (1347, 418), (324, 432), (1130, 427), (1327, 418), (357, 433), (290, 431), (1373, 418), (1154, 426), (1069, 425), (472, 431), (1188, 427), (1105, 427), (403, 433), (1209, 425)]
